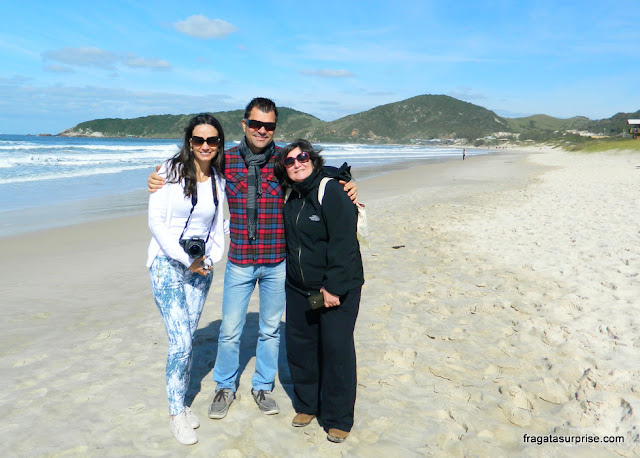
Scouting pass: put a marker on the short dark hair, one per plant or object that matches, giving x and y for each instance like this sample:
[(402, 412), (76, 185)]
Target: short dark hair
[(306, 147), (263, 104)]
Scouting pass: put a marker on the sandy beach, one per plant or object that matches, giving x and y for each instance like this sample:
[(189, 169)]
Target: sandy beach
[(501, 301)]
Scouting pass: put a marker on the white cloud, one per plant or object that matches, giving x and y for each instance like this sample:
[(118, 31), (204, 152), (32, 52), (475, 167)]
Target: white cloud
[(61, 107), (326, 73), (83, 57), (141, 62), (374, 53), (96, 57), (15, 80), (55, 68), (200, 26)]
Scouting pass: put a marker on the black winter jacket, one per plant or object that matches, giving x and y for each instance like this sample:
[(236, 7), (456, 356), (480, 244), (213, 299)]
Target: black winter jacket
[(322, 247)]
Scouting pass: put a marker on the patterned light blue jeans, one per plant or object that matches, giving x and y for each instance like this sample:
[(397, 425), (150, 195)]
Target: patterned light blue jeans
[(180, 295)]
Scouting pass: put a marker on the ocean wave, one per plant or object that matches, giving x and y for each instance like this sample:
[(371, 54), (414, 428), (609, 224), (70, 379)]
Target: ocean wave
[(71, 174), (66, 159), (354, 147), (88, 149)]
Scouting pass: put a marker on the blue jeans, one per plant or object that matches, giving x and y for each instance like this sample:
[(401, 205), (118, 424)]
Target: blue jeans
[(180, 295), (239, 283)]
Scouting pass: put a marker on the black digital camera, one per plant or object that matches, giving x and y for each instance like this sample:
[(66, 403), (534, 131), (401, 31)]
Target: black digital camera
[(316, 301), (193, 246)]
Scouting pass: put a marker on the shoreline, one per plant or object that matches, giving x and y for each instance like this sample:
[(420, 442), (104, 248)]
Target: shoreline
[(500, 300), (36, 219)]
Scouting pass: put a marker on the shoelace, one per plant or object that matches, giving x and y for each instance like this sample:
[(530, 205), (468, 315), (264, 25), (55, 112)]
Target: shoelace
[(220, 395), (261, 396)]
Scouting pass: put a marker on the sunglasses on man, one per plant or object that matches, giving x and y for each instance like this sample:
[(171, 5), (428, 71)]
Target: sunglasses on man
[(301, 158), (257, 125), (199, 141)]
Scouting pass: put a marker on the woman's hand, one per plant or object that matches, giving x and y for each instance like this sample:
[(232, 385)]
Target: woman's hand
[(349, 187), (329, 299), (196, 266), (155, 181)]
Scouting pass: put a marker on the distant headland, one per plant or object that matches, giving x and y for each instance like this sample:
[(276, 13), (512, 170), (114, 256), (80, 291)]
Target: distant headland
[(423, 119)]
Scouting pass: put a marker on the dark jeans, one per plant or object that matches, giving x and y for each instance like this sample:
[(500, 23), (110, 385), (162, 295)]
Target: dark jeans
[(322, 358)]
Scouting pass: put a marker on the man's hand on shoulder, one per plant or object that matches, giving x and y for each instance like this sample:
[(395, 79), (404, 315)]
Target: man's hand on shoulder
[(350, 188), (155, 181)]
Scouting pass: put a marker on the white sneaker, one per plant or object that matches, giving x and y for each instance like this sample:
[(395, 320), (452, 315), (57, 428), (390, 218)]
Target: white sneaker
[(191, 418), (182, 430)]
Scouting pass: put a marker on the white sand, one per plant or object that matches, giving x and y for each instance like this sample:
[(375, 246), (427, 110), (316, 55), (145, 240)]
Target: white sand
[(509, 309)]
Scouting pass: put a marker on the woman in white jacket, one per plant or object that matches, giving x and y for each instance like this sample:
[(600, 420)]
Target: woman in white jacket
[(186, 220)]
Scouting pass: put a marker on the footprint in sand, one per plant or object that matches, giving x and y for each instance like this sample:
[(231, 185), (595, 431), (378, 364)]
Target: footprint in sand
[(609, 331), (371, 435), (516, 407), (105, 337), (555, 391), (29, 361), (404, 359), (553, 337)]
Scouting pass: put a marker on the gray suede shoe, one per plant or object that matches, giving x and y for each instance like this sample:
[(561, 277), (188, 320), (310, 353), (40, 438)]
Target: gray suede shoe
[(265, 401), (221, 402)]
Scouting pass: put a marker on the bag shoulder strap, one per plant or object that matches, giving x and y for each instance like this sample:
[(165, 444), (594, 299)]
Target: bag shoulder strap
[(321, 188), (323, 185)]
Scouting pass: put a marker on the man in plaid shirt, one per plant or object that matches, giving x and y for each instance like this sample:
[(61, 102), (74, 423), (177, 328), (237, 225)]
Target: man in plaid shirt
[(256, 254)]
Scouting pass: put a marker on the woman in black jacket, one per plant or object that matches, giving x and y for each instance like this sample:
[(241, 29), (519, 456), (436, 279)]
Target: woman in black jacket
[(324, 281)]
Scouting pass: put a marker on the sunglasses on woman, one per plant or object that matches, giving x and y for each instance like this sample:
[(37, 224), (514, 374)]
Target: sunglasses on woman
[(301, 158), (199, 141)]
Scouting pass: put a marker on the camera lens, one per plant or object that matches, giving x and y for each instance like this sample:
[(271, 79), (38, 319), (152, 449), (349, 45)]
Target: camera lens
[(194, 250)]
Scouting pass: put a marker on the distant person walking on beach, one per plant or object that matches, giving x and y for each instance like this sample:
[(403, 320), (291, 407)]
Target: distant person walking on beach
[(256, 255), (324, 282), (464, 153), (186, 221)]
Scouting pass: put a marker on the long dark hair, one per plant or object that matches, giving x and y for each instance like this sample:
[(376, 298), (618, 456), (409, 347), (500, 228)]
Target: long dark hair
[(182, 165), (305, 147)]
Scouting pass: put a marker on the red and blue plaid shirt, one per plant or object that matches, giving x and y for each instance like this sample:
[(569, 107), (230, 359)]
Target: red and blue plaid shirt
[(269, 246)]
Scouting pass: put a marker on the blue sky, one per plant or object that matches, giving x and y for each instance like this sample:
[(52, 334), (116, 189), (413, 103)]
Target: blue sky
[(65, 62)]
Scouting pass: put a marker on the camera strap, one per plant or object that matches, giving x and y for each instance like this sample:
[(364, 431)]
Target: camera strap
[(194, 202)]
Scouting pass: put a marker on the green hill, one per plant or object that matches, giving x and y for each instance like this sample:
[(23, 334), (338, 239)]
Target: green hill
[(172, 126), (535, 122), (419, 118), (543, 127)]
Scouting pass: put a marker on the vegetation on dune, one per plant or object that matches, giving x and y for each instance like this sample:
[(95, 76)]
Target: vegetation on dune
[(598, 145)]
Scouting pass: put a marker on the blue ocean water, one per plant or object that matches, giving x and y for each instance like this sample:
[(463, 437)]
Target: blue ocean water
[(41, 171), (37, 172)]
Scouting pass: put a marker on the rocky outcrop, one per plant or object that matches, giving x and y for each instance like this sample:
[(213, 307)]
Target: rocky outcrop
[(80, 133)]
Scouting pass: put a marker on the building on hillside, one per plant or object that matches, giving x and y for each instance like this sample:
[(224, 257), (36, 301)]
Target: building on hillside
[(635, 127)]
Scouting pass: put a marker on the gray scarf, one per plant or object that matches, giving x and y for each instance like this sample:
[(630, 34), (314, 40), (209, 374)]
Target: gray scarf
[(254, 163)]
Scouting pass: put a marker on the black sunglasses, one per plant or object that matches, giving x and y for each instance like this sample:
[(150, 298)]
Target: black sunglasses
[(257, 125), (199, 141), (302, 158)]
